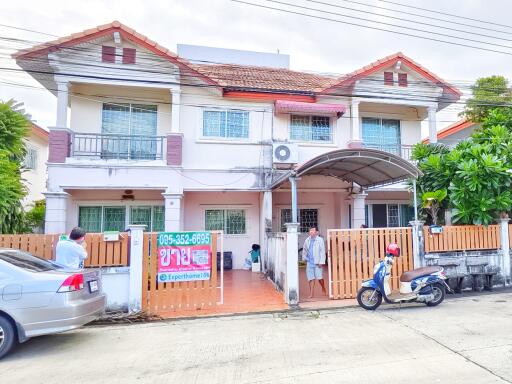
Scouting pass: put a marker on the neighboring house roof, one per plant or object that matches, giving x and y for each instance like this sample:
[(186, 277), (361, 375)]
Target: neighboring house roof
[(40, 132), (451, 129), (239, 77)]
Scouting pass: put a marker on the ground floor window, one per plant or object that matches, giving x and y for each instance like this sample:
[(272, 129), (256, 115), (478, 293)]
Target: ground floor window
[(388, 215), (231, 221), (308, 218), (117, 218)]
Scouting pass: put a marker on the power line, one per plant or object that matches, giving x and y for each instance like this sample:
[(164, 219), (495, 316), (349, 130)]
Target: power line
[(377, 28), (430, 17), (407, 20), (446, 14)]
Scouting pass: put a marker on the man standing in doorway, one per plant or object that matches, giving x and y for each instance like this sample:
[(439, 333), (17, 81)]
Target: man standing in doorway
[(313, 252)]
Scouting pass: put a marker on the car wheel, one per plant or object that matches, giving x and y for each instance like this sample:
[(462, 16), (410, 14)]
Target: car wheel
[(7, 336)]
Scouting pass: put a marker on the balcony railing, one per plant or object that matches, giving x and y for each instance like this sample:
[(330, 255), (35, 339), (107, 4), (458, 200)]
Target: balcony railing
[(404, 151), (114, 146)]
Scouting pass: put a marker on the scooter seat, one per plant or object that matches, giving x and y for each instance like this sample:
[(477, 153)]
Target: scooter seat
[(419, 272)]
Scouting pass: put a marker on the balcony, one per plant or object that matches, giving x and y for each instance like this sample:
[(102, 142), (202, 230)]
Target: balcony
[(404, 151), (115, 146)]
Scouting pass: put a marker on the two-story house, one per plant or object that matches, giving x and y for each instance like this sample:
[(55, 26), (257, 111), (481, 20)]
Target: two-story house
[(34, 166), (145, 136)]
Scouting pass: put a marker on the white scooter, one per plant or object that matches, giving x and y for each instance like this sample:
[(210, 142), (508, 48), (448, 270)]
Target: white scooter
[(426, 285)]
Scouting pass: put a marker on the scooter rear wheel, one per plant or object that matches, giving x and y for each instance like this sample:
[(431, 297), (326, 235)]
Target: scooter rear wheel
[(439, 293), (369, 298)]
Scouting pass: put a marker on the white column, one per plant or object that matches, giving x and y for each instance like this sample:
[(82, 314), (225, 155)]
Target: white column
[(55, 214), (265, 225), (358, 210), (136, 260), (432, 125), (291, 287), (173, 212), (175, 110), (505, 250), (62, 104), (355, 125)]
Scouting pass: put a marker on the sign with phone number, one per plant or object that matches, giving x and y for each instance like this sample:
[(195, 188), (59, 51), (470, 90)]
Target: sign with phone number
[(184, 256)]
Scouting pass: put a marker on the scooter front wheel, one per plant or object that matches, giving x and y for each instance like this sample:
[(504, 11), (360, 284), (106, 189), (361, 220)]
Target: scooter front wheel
[(369, 298)]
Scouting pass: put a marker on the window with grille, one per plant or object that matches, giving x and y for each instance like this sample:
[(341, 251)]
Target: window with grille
[(30, 161), (226, 124), (388, 215), (310, 128), (114, 219), (393, 215), (308, 218), (90, 219), (130, 131), (231, 221), (150, 216), (382, 134)]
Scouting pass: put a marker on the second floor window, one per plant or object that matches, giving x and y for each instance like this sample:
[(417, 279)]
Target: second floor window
[(130, 131), (382, 134), (30, 161), (226, 124), (310, 128)]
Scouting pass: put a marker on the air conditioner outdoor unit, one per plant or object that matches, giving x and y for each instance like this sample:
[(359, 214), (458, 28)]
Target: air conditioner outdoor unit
[(285, 153)]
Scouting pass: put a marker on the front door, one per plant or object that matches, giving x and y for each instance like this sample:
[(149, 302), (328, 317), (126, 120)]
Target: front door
[(379, 213)]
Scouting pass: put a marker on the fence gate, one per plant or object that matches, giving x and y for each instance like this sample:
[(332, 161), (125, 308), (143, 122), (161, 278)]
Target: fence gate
[(164, 298), (354, 252)]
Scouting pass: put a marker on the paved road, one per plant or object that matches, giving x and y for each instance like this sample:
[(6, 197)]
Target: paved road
[(465, 340)]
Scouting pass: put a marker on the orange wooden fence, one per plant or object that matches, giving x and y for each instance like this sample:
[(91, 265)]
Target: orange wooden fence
[(463, 238), (100, 253), (354, 252), (164, 299)]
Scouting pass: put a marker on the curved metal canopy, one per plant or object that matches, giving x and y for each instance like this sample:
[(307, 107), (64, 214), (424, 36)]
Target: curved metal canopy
[(366, 167)]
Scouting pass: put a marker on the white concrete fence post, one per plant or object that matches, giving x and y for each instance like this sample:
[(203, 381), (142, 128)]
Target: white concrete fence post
[(418, 245), (291, 286), (136, 259), (505, 250)]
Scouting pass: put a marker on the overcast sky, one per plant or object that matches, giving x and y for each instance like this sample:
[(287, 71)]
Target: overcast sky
[(313, 44)]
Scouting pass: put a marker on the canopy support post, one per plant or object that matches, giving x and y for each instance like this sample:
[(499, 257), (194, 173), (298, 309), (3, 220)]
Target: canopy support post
[(293, 184), (415, 200)]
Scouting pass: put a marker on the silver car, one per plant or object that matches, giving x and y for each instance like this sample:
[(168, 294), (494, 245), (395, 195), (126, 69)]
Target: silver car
[(38, 297)]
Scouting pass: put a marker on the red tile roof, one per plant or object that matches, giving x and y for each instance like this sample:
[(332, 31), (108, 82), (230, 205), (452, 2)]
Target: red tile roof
[(451, 129), (386, 62), (237, 76), (38, 131), (264, 78)]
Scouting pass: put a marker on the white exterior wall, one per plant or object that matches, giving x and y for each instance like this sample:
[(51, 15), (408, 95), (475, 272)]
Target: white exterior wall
[(196, 203), (35, 179)]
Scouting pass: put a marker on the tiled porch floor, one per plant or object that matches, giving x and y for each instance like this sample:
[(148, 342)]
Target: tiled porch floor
[(244, 292)]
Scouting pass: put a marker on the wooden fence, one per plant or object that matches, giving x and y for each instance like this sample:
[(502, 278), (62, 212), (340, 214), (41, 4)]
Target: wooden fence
[(354, 253), (162, 299), (463, 238), (100, 253)]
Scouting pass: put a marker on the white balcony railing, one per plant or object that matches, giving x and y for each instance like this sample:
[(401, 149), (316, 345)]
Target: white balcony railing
[(114, 146), (404, 151)]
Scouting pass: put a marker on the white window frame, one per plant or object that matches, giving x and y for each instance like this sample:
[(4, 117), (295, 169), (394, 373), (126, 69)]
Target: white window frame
[(33, 158), (117, 203), (130, 105), (312, 142), (225, 138), (244, 208)]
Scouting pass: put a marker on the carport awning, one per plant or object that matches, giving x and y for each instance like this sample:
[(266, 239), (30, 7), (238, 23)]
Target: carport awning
[(365, 167)]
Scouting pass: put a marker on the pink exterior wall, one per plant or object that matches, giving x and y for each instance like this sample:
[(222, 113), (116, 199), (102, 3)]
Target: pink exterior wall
[(58, 146), (196, 203)]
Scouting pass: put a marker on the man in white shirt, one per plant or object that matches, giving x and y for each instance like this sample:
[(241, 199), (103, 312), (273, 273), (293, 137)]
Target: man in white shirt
[(313, 252), (70, 253)]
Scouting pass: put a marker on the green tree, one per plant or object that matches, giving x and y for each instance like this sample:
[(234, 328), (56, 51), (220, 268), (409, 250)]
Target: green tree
[(35, 216), (431, 201), (488, 93), (14, 127)]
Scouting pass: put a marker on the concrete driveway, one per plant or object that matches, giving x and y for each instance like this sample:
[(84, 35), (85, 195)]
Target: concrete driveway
[(465, 340)]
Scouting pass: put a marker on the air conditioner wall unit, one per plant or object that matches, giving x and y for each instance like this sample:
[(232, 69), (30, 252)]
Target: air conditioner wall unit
[(285, 153)]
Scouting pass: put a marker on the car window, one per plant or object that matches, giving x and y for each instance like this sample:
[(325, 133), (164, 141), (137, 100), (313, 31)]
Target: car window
[(26, 261)]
